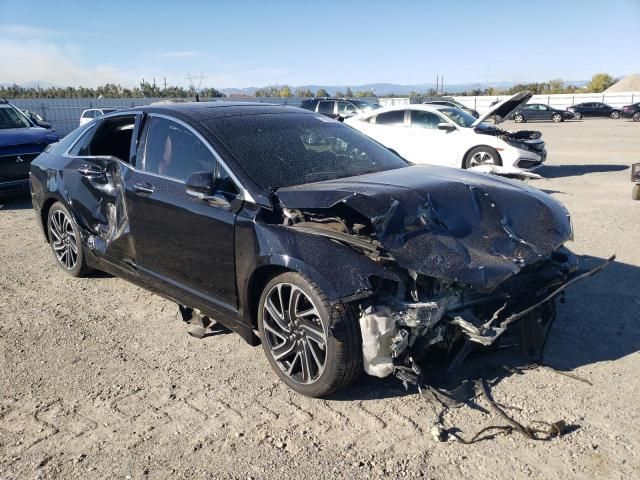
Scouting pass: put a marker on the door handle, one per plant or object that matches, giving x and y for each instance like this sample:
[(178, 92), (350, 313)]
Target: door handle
[(90, 170), (143, 188)]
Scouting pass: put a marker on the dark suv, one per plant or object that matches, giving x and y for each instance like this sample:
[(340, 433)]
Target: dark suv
[(20, 142), (338, 107)]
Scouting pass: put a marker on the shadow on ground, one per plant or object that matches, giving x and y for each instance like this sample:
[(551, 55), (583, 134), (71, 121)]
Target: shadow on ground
[(557, 171), (599, 322), (20, 201)]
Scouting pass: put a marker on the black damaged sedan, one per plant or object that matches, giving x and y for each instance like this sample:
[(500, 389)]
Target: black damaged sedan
[(302, 234)]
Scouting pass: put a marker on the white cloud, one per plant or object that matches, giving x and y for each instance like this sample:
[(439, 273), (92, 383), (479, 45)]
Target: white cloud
[(18, 30), (29, 60), (179, 54)]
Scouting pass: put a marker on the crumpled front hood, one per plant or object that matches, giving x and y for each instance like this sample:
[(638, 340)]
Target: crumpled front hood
[(451, 224), (26, 136)]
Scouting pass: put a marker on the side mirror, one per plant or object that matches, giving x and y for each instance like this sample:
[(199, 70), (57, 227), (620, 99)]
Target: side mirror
[(200, 182), (446, 127), (202, 185)]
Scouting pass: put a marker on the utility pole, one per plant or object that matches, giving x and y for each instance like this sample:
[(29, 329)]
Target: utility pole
[(191, 79)]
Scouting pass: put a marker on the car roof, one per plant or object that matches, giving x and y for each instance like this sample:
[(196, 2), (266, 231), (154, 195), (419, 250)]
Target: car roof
[(198, 111)]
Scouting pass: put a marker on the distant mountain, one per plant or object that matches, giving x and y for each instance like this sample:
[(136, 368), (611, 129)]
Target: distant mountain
[(380, 88)]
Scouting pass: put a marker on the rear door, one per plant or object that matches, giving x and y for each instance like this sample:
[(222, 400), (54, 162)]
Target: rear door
[(182, 242), (389, 128)]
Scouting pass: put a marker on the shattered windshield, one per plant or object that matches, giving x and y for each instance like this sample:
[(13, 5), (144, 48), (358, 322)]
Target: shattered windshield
[(461, 117), (11, 118), (282, 150)]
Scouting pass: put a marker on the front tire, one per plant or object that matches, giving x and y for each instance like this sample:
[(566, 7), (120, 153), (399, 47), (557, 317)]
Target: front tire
[(66, 241), (636, 117), (614, 115), (577, 116), (556, 118), (315, 348), (519, 118), (483, 155)]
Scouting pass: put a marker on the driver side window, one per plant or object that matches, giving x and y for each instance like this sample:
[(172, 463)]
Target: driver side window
[(173, 151), (424, 119)]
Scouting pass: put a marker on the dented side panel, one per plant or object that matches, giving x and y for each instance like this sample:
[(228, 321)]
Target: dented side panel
[(340, 271)]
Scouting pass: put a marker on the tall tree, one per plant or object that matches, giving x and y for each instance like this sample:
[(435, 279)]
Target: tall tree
[(600, 82), (322, 93)]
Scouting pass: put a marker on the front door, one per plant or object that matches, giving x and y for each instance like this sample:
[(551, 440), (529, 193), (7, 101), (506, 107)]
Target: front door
[(181, 241), (429, 143)]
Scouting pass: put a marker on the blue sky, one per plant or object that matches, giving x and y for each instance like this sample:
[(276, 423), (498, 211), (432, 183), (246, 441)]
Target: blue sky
[(256, 43)]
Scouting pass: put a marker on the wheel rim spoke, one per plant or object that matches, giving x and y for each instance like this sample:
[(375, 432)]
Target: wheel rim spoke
[(314, 332), (284, 350), (306, 362)]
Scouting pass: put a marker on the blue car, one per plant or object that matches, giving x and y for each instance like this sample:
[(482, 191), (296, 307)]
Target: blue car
[(20, 142)]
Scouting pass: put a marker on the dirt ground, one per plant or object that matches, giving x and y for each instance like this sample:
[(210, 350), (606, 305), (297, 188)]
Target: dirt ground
[(99, 379)]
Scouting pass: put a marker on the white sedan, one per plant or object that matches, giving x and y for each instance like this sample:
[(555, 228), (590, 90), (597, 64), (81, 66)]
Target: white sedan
[(443, 135)]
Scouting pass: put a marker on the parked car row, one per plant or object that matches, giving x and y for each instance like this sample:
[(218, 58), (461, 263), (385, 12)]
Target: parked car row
[(308, 237), (539, 111)]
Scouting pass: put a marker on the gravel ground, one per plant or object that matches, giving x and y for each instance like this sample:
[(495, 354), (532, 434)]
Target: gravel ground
[(98, 378)]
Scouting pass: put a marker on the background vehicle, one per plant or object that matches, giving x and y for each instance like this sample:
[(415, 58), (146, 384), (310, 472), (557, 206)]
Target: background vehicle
[(338, 107), (631, 111), (540, 111), (92, 113), (277, 220), (20, 142), (593, 109), (441, 135), (453, 103), (37, 120)]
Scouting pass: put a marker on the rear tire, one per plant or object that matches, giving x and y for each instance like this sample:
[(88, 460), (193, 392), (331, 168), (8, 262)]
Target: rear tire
[(483, 155), (556, 117), (614, 115), (577, 116), (314, 347), (66, 241), (636, 117), (518, 118)]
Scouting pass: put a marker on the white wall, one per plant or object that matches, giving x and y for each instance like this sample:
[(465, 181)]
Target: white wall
[(561, 101)]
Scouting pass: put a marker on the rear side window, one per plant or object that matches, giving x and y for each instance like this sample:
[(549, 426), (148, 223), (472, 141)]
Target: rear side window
[(111, 137), (391, 118), (174, 151), (325, 107), (308, 104)]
